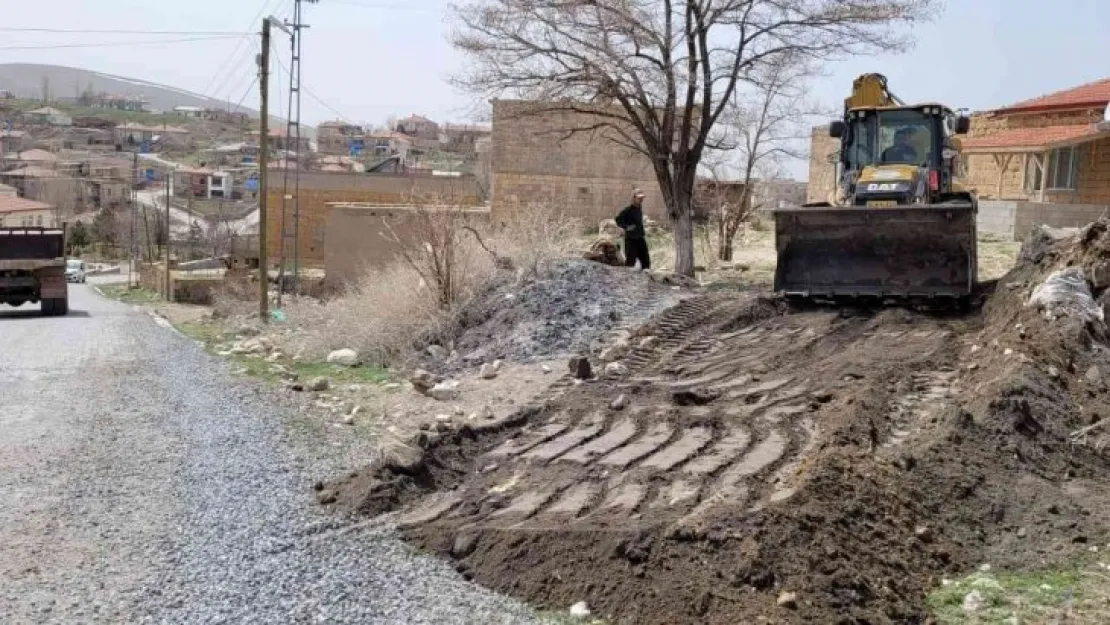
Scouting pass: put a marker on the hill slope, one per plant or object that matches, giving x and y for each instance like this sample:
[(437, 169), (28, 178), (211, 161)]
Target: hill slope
[(26, 80)]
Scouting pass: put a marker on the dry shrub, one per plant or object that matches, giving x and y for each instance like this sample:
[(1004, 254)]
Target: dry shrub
[(537, 233), (448, 255), (438, 248), (381, 316)]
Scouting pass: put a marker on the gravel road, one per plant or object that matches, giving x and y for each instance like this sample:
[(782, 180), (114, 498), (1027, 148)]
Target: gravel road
[(141, 483)]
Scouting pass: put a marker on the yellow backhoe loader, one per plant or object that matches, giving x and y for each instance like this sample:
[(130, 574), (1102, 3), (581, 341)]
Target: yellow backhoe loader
[(898, 225)]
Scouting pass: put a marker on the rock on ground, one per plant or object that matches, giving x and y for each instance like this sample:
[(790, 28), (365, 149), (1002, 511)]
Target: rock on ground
[(344, 357)]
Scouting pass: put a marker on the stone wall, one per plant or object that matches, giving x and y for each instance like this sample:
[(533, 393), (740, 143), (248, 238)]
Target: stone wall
[(535, 159), (1028, 215), (359, 239), (320, 189), (822, 173)]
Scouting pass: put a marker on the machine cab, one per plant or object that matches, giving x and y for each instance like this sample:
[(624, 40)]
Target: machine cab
[(897, 155)]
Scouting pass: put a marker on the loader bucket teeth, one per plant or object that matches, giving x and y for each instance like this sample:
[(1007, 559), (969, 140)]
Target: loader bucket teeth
[(914, 251)]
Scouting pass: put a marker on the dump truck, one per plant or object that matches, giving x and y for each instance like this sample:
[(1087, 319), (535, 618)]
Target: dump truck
[(33, 268), (898, 225)]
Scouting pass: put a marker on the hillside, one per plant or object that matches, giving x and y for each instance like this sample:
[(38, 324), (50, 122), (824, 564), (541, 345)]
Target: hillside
[(26, 80)]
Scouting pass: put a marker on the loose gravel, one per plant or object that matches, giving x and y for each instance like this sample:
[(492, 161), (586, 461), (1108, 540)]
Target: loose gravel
[(141, 483)]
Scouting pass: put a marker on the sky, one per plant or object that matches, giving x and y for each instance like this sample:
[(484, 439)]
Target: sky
[(369, 60)]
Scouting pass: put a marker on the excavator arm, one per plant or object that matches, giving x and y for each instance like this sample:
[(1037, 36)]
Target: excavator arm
[(870, 90)]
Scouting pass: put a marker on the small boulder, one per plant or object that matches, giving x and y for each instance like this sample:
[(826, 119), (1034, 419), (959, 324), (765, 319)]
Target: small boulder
[(497, 364), (422, 381), (403, 458), (788, 600), (344, 357), (318, 383), (973, 601), (580, 610), (580, 368), (445, 391), (488, 372), (464, 545), (620, 403), (437, 352), (616, 370), (1093, 375), (349, 419)]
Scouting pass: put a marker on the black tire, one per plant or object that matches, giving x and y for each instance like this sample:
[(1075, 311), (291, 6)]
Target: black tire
[(47, 306), (61, 307)]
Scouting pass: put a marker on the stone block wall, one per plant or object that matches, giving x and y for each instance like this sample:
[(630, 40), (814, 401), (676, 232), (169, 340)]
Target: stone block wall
[(537, 159), (822, 173), (319, 189)]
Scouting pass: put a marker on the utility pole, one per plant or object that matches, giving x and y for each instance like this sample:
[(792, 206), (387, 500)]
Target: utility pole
[(134, 190), (170, 175), (263, 167), (290, 220)]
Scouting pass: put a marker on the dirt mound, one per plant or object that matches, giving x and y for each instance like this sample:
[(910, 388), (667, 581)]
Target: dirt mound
[(850, 458), (568, 308)]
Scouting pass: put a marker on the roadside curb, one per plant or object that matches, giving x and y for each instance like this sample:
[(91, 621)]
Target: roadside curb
[(97, 290), (163, 322)]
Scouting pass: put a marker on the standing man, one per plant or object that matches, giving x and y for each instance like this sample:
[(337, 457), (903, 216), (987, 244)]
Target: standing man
[(631, 220)]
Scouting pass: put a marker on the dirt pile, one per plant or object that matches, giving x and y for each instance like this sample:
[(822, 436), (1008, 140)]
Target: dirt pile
[(568, 308), (844, 459)]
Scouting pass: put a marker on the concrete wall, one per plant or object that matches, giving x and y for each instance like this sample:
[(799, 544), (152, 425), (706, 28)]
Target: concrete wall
[(1031, 214), (535, 159), (320, 189), (997, 217), (358, 238)]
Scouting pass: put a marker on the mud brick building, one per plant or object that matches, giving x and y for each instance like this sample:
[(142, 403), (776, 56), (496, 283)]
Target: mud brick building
[(536, 159), (318, 190)]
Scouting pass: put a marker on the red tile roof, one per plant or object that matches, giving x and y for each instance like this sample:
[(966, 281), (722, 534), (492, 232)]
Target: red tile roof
[(1036, 139), (18, 205), (1091, 94)]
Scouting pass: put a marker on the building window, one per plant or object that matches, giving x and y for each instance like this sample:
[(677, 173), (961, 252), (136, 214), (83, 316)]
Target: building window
[(1061, 169)]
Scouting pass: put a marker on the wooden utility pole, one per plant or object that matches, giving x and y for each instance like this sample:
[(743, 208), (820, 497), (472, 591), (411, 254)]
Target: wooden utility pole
[(263, 164), (169, 189)]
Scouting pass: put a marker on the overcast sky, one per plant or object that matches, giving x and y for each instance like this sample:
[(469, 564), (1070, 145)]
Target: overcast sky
[(370, 59)]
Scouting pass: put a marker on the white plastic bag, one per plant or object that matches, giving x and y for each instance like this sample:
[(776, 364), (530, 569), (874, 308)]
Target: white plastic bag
[(1065, 292)]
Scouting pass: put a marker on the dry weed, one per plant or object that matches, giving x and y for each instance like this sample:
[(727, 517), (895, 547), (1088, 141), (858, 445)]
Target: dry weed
[(381, 316), (538, 233)]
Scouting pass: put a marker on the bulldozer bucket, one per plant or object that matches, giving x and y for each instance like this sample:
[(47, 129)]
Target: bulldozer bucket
[(912, 251)]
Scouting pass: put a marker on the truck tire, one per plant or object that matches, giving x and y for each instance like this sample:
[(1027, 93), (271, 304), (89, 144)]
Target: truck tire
[(47, 307), (61, 307)]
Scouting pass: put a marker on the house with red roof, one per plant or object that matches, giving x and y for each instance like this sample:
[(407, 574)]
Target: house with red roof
[(1053, 149)]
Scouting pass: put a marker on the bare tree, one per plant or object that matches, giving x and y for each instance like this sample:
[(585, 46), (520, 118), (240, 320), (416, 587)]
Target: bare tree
[(762, 128), (435, 244), (657, 75)]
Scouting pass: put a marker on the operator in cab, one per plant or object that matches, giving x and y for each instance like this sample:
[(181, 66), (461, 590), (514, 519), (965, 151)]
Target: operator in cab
[(902, 151)]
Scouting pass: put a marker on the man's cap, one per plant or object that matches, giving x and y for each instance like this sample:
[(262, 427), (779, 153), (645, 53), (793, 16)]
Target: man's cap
[(637, 193)]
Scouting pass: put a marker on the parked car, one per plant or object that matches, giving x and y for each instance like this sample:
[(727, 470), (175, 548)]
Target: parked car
[(75, 270)]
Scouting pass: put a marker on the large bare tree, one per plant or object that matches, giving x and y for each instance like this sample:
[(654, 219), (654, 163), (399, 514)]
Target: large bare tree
[(657, 75)]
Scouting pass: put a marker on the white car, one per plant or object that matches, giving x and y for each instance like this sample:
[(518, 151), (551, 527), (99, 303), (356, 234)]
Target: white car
[(75, 270)]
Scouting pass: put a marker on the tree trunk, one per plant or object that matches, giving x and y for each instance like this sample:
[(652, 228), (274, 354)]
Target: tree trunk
[(724, 245), (683, 224)]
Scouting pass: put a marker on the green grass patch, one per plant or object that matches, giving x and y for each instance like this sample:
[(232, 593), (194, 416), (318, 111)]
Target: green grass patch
[(211, 334), (130, 295), (1079, 594)]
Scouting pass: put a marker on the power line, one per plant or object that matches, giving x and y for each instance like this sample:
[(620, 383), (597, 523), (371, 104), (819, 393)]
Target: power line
[(122, 31), (231, 61), (315, 97), (114, 43)]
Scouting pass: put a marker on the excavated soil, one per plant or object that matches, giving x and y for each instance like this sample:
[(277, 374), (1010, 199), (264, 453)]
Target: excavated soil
[(781, 465)]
